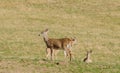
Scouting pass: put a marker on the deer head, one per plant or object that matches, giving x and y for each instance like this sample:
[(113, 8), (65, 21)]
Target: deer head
[(44, 34), (88, 53)]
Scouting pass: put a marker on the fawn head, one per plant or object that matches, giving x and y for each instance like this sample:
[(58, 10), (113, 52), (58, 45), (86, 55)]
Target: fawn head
[(89, 52)]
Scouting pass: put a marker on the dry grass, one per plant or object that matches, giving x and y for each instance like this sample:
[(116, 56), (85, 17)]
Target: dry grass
[(95, 24)]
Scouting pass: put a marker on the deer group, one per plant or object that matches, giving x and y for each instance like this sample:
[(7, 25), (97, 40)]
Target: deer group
[(53, 44)]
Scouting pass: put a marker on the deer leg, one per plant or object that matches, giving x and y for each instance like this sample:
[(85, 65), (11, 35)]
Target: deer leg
[(69, 53), (55, 53), (47, 52), (51, 53), (65, 53)]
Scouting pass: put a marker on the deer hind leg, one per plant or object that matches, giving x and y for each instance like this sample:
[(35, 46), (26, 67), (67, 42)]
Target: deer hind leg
[(69, 53), (65, 53)]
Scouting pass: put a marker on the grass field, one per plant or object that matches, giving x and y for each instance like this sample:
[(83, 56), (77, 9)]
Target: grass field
[(95, 24)]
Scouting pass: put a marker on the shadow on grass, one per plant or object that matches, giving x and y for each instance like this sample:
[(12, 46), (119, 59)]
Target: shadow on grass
[(54, 62)]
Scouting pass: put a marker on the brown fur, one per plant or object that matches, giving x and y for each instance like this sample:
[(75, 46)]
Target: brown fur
[(57, 44)]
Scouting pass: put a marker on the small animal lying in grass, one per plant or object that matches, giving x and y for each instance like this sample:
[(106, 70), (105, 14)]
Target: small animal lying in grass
[(87, 59)]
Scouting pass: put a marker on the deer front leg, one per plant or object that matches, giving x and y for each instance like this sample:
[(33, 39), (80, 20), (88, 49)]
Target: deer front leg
[(47, 53), (51, 53), (55, 52)]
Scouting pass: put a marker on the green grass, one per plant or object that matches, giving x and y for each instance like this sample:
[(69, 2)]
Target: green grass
[(95, 24)]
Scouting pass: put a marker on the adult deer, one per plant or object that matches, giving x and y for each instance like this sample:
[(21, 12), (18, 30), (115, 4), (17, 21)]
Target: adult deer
[(53, 44)]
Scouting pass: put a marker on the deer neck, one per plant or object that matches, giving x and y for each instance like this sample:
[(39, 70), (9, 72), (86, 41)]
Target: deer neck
[(88, 56), (45, 37)]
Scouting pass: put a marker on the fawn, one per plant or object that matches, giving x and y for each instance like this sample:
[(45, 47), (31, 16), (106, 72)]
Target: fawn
[(87, 59), (53, 45)]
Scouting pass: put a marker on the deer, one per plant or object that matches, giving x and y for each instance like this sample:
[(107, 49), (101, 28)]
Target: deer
[(53, 45), (87, 59)]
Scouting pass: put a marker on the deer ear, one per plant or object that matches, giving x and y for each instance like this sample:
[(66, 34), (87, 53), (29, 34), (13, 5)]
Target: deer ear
[(87, 51), (46, 30), (74, 39), (91, 51)]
